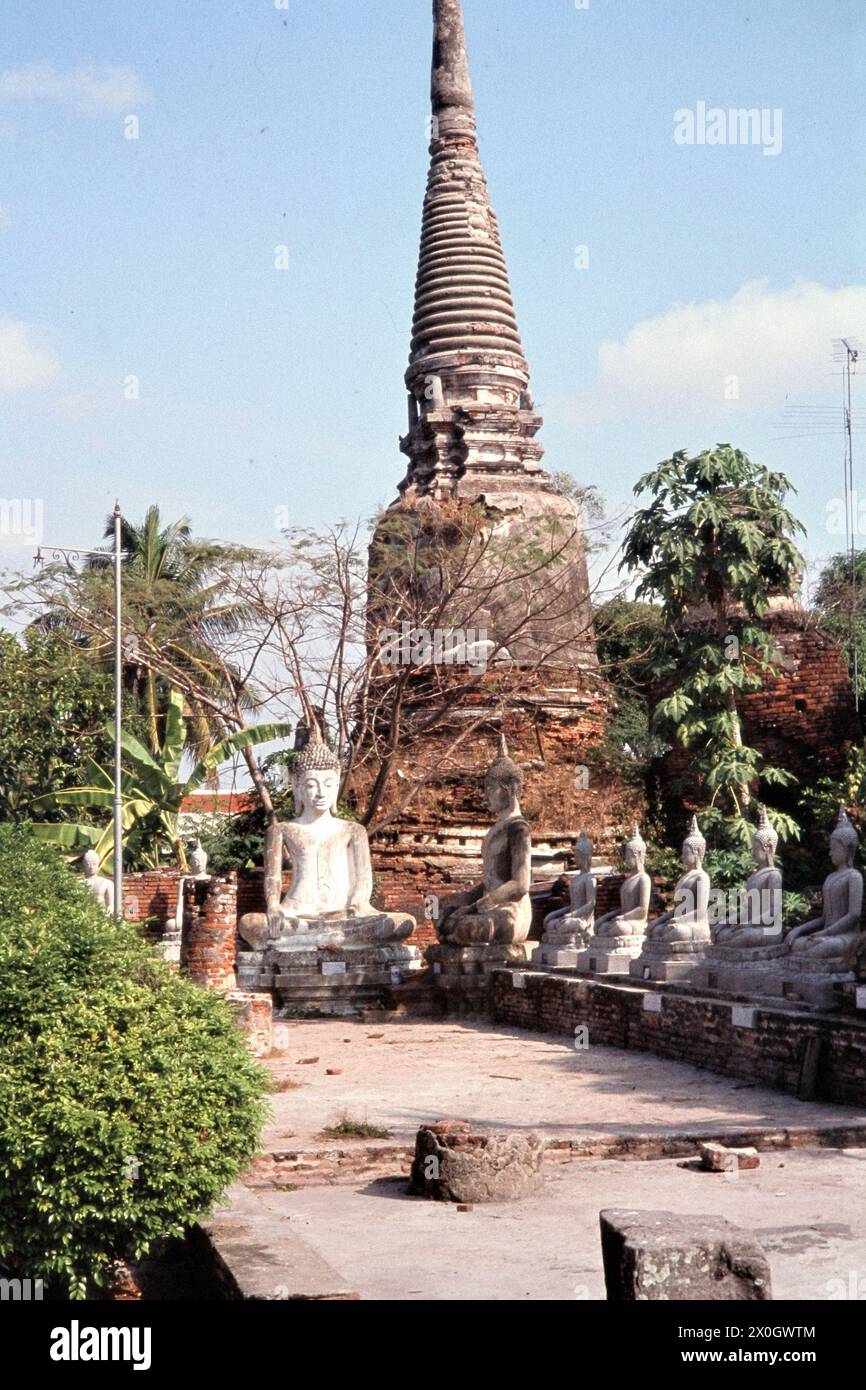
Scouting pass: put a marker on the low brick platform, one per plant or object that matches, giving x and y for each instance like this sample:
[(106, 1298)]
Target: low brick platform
[(814, 1057)]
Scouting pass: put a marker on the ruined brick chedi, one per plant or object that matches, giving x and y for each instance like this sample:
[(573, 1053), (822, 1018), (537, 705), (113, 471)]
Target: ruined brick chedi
[(472, 424), (472, 447)]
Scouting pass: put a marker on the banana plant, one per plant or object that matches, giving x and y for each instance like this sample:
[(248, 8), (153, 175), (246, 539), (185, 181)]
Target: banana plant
[(152, 792)]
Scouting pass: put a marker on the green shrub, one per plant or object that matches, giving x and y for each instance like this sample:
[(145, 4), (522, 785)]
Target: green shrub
[(128, 1100)]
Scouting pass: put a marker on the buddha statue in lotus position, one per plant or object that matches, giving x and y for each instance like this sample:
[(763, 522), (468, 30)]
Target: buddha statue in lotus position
[(102, 888), (837, 932), (760, 917), (687, 922), (498, 909), (634, 896), (332, 876), (572, 925)]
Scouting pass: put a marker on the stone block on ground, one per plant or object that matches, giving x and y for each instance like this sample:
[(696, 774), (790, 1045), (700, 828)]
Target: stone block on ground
[(717, 1158), (454, 1163), (659, 1255)]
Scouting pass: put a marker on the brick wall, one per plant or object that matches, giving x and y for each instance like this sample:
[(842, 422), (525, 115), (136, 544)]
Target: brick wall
[(151, 894), (783, 1050), (804, 720)]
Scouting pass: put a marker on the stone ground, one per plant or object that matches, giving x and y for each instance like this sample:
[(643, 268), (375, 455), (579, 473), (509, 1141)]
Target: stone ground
[(356, 1232), (398, 1075)]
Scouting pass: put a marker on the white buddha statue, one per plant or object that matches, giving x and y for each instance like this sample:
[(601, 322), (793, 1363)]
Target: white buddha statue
[(759, 920), (572, 925), (332, 876), (634, 897), (837, 932), (687, 922), (102, 888), (499, 909)]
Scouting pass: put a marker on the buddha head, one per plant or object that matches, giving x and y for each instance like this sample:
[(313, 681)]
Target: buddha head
[(634, 852), (694, 847), (843, 841), (316, 777), (90, 864), (504, 781), (583, 850), (765, 842)]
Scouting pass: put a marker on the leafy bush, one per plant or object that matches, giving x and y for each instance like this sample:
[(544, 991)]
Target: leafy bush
[(128, 1100)]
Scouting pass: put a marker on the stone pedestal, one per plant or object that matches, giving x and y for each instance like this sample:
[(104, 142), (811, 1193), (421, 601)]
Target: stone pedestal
[(454, 1164), (555, 957), (819, 983), (666, 961), (610, 955), (658, 1255), (337, 970), (737, 970), (561, 944), (463, 973), (774, 973)]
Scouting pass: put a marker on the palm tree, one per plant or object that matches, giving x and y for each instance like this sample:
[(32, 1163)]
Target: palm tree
[(175, 599)]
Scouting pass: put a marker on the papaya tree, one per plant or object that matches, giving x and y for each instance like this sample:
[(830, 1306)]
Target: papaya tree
[(713, 545)]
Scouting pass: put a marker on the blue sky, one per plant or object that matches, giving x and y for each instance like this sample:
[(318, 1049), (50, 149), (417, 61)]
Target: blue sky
[(263, 389)]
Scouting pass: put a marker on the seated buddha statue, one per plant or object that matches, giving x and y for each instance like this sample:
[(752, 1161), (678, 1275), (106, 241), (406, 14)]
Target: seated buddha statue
[(837, 933), (759, 920), (687, 921), (101, 887), (499, 908), (572, 925), (634, 896), (332, 876)]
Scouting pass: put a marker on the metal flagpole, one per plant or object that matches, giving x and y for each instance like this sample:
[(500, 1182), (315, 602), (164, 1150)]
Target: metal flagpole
[(70, 555), (118, 700)]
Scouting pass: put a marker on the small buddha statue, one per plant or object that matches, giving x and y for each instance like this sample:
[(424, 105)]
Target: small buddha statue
[(102, 888), (634, 896), (837, 932), (498, 909), (198, 862), (760, 917), (687, 921), (572, 925), (332, 876)]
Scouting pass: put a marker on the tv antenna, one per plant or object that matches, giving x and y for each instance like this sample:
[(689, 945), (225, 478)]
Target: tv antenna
[(848, 351)]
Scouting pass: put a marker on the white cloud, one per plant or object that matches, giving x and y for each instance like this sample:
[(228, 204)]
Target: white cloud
[(107, 89), (24, 365), (743, 355)]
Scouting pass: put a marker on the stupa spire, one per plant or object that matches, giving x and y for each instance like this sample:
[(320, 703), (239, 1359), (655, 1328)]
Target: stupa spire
[(452, 102), (466, 354)]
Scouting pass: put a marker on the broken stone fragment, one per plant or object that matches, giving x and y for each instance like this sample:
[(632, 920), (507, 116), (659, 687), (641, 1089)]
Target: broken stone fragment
[(717, 1158), (454, 1163), (657, 1255)]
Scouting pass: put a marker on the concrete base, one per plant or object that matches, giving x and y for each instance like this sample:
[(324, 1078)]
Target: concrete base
[(556, 957), (808, 981), (733, 970), (610, 957), (662, 971), (462, 974)]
